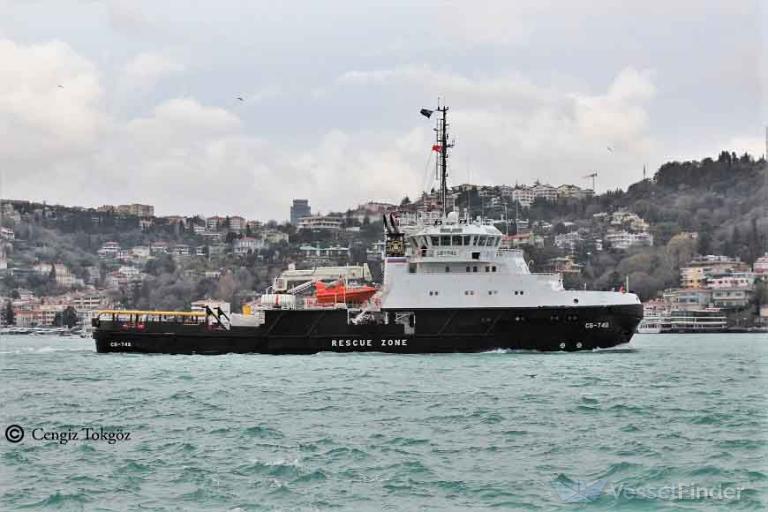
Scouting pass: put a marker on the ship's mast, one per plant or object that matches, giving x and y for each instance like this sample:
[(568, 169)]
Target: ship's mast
[(442, 142)]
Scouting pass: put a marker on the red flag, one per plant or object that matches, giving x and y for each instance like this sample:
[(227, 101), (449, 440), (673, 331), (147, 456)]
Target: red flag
[(437, 147)]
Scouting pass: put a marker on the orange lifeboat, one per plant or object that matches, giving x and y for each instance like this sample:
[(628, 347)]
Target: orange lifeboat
[(338, 292)]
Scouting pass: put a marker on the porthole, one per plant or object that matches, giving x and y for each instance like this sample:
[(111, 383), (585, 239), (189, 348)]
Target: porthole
[(575, 301), (521, 292)]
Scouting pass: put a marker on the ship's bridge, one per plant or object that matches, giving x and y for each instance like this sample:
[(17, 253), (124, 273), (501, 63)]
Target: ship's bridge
[(460, 241)]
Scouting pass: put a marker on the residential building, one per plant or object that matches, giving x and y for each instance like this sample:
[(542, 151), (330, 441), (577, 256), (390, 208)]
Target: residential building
[(38, 315), (237, 224), (623, 240), (573, 192), (760, 267), (693, 277), (180, 250), (7, 234), (247, 245), (568, 240), (731, 297), (523, 195), (300, 209), (273, 236), (158, 248), (629, 221), (138, 210), (319, 222), (543, 191), (687, 299), (564, 265), (214, 223), (140, 252), (110, 250), (717, 264)]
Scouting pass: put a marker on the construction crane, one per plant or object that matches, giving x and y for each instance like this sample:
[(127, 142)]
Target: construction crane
[(593, 176)]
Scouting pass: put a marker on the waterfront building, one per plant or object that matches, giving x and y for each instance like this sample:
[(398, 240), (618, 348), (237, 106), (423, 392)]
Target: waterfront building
[(687, 299)]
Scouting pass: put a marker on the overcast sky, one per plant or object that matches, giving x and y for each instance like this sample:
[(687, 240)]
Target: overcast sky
[(130, 101)]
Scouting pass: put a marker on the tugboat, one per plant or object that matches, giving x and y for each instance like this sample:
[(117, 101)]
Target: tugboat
[(449, 286)]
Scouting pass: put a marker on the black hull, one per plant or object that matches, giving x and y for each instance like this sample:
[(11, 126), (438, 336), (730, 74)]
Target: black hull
[(434, 331)]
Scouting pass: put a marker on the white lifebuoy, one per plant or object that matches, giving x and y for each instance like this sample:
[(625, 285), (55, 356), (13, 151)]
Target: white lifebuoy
[(578, 345), (562, 346)]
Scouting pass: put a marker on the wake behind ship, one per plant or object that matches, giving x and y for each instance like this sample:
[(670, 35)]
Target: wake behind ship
[(449, 286)]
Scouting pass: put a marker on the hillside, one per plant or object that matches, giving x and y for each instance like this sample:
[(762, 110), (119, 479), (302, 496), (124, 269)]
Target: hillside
[(698, 207)]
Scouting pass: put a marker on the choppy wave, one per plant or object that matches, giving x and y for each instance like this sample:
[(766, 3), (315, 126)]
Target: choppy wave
[(372, 432)]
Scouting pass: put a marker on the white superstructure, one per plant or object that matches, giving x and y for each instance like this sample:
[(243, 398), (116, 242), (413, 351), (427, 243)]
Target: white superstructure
[(460, 264)]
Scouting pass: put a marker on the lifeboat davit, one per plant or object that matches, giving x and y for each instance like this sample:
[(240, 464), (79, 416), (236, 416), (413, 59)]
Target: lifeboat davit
[(340, 293)]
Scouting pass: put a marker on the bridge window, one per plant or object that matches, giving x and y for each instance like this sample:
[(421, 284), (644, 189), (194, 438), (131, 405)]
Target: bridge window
[(457, 239), (469, 269), (493, 268), (474, 269), (435, 241), (467, 239), (445, 240), (487, 268)]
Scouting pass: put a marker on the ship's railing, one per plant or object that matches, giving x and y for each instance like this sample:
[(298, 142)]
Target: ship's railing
[(138, 318)]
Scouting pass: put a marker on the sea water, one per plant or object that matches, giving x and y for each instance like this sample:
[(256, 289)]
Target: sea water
[(676, 422)]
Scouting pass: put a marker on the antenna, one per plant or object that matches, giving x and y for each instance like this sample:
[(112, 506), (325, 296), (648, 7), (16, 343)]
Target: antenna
[(441, 147)]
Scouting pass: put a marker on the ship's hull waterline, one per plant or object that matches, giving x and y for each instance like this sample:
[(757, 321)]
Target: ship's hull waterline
[(433, 331)]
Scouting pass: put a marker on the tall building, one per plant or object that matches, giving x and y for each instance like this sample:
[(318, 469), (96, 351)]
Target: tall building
[(299, 210)]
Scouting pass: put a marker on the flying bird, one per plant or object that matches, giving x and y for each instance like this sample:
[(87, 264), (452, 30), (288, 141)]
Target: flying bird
[(609, 148), (531, 375), (60, 86), (240, 98)]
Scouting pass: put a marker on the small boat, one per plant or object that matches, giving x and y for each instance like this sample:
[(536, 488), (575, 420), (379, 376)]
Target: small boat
[(340, 293)]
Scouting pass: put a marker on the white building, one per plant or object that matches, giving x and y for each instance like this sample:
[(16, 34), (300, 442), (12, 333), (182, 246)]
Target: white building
[(110, 250), (568, 240), (523, 195), (320, 222), (247, 245), (760, 266), (312, 252), (623, 240), (547, 192), (7, 234)]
